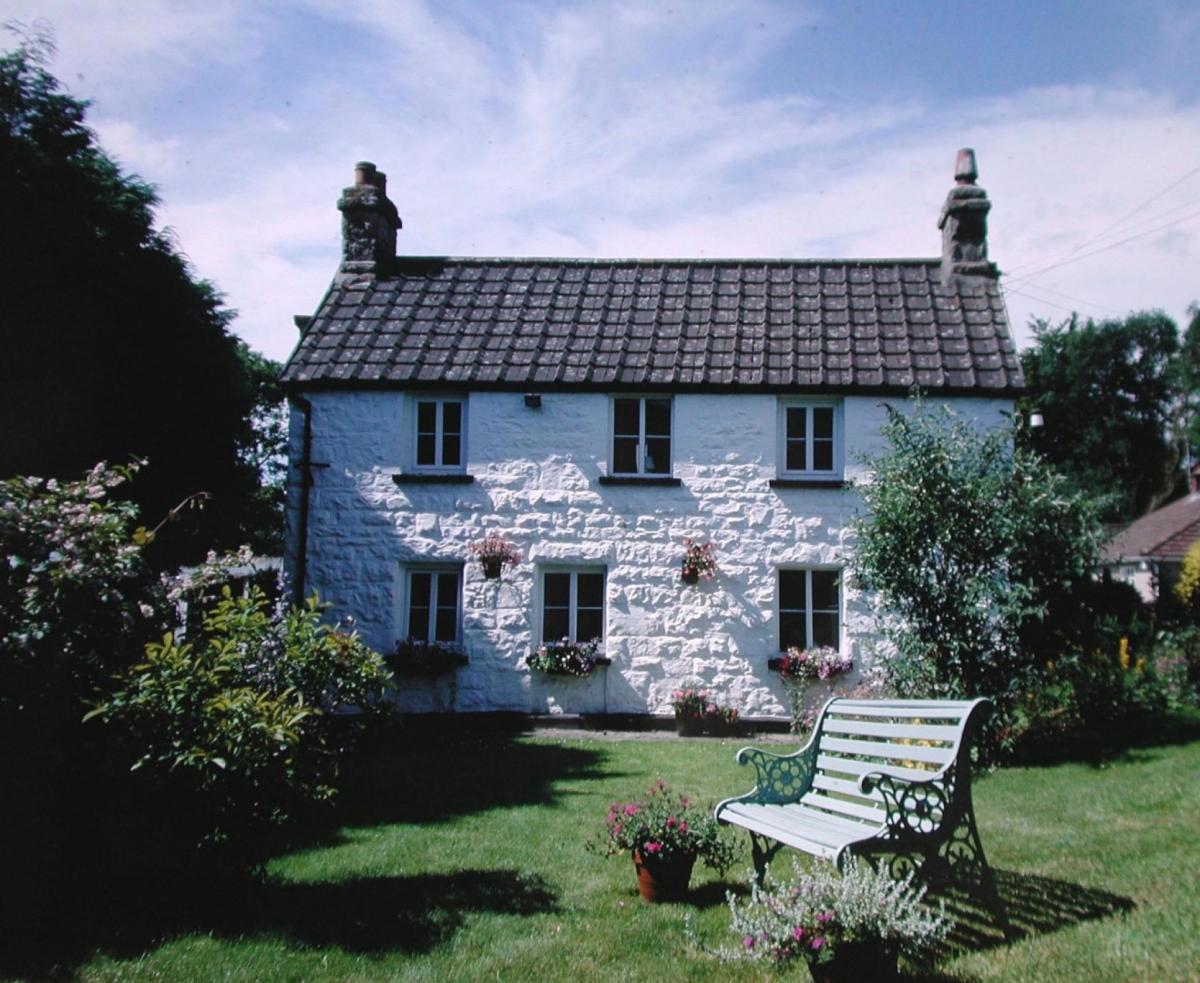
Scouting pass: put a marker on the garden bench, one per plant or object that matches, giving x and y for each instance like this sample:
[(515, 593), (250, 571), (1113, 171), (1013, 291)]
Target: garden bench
[(877, 778)]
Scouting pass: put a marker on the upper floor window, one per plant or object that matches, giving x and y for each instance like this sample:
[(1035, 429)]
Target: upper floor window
[(809, 608), (641, 435), (440, 432), (572, 605), (810, 434), (432, 612)]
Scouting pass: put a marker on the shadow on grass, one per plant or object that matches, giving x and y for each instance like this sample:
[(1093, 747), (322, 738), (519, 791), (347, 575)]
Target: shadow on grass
[(368, 915), (1035, 905), (1132, 739)]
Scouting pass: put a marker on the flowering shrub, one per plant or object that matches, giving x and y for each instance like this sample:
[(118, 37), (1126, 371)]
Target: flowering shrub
[(565, 658), (495, 551), (821, 911), (661, 825), (691, 703), (809, 665), (699, 560)]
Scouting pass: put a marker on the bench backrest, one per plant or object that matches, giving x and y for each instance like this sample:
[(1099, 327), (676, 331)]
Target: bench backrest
[(913, 739)]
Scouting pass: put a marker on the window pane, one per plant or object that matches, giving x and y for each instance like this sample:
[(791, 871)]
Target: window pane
[(795, 456), (556, 624), (448, 590), (625, 417), (425, 449), (419, 589), (556, 590), (791, 590), (791, 630), (418, 623), (625, 455), (822, 455), (823, 422), (658, 455), (452, 418), (451, 450), (825, 590), (797, 423), (426, 417), (658, 417), (589, 624), (590, 590), (825, 629), (447, 625)]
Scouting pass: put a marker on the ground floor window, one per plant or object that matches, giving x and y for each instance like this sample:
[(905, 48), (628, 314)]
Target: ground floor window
[(809, 608), (432, 612), (572, 605)]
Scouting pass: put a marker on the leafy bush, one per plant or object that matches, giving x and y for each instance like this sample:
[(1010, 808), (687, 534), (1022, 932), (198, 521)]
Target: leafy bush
[(1175, 659), (1187, 587), (821, 911), (981, 553), (238, 728)]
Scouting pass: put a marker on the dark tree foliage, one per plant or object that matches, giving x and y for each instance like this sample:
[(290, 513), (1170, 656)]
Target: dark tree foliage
[(1107, 391), (112, 350), (1187, 386)]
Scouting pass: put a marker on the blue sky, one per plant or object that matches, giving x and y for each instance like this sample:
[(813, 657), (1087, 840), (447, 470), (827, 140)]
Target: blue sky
[(757, 129)]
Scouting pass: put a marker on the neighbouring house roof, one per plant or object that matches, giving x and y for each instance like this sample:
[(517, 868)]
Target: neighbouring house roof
[(874, 325), (1164, 534)]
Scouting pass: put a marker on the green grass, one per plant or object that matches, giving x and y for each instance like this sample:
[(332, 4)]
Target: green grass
[(461, 858)]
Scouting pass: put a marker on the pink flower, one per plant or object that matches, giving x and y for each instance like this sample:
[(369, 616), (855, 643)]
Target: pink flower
[(631, 810), (748, 941), (816, 943), (652, 848), (672, 822), (825, 917), (683, 827), (798, 932)]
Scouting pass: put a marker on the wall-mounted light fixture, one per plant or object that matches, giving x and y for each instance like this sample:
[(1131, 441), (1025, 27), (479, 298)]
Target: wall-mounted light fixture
[(533, 401)]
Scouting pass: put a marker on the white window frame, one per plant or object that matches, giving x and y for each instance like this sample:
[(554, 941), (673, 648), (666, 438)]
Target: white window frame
[(440, 400), (573, 599), (641, 471), (808, 571), (834, 473), (406, 601)]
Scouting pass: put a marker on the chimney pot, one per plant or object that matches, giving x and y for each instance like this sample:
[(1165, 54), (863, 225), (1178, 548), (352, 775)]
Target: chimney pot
[(965, 171), (364, 173)]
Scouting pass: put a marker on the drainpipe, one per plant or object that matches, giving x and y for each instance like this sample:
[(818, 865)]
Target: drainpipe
[(304, 465)]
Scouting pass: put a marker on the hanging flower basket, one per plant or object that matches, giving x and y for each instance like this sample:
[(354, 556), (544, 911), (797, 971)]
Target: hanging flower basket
[(699, 560), (494, 553)]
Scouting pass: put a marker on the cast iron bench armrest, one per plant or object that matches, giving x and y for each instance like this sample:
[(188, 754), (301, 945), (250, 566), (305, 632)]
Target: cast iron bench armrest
[(914, 805)]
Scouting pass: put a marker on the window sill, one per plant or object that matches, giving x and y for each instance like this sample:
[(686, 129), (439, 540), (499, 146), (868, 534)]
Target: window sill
[(834, 483), (633, 479), (433, 479)]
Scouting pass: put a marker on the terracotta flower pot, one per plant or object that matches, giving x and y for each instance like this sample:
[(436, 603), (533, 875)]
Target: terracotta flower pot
[(663, 879), (855, 961)]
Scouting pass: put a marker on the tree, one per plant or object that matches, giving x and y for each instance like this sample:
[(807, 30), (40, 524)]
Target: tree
[(1106, 391), (113, 350), (1187, 388), (976, 550)]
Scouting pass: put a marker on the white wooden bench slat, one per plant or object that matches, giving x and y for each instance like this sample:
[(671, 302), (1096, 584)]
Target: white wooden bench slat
[(816, 838), (856, 829), (917, 732), (878, 816), (844, 786), (853, 766), (913, 708), (881, 749)]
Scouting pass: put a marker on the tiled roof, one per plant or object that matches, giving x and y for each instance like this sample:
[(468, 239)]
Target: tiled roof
[(1164, 534), (883, 325)]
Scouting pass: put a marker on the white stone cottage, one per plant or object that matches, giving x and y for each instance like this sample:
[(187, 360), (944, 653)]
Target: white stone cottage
[(595, 413)]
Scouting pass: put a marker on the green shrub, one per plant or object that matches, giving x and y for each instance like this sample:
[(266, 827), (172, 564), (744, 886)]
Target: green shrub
[(238, 727), (1175, 659)]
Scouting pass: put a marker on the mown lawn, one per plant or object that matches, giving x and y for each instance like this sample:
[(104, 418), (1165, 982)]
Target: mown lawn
[(461, 858)]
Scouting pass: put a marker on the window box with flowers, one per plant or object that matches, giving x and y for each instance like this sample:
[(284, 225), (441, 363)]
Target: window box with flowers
[(699, 560), (665, 833), (567, 658), (800, 669), (413, 657), (493, 553)]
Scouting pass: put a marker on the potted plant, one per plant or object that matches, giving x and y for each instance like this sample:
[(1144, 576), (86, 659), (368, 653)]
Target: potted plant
[(494, 552), (848, 926), (566, 658), (699, 560), (413, 657), (720, 720), (665, 833), (690, 706)]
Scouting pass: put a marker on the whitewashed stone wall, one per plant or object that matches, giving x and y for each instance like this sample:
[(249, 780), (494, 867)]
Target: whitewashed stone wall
[(536, 484)]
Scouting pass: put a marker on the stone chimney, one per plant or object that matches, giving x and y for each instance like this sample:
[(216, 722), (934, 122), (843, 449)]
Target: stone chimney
[(369, 222), (964, 223)]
